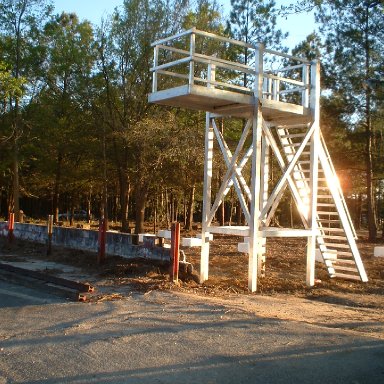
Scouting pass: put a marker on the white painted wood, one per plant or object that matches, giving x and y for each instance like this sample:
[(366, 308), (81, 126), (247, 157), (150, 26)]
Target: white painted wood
[(210, 237), (229, 230), (333, 185), (255, 240), (207, 195), (314, 167), (230, 171), (328, 157), (191, 242), (243, 247), (165, 233), (281, 162), (378, 252), (172, 64), (192, 63), (262, 110), (305, 92), (295, 58), (278, 189), (154, 74), (237, 178), (173, 37)]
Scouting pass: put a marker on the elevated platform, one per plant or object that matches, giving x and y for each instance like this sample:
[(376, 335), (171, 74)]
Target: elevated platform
[(229, 103)]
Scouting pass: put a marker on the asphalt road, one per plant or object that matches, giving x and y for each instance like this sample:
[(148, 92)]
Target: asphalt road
[(16, 295), (162, 337)]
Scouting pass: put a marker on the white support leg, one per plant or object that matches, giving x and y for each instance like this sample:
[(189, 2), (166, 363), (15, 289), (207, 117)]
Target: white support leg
[(208, 163), (254, 224), (315, 144), (312, 211), (261, 257)]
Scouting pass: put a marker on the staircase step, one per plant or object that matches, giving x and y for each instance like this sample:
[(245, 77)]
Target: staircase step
[(320, 220), (334, 237), (318, 179), (349, 277), (341, 262), (328, 229), (326, 204), (343, 268), (324, 196), (292, 145), (336, 245), (327, 213), (343, 253), (291, 135)]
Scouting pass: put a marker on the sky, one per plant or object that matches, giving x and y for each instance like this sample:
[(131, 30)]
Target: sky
[(298, 26)]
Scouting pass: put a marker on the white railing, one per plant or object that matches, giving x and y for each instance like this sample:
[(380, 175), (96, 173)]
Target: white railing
[(195, 57)]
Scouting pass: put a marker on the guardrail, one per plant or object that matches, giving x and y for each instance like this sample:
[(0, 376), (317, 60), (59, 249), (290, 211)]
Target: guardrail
[(196, 57)]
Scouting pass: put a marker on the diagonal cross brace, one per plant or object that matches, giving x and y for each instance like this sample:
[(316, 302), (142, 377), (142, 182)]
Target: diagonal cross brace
[(237, 179), (228, 175), (279, 188), (291, 183)]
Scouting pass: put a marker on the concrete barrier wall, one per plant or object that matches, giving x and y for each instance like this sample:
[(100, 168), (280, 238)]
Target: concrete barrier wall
[(119, 244)]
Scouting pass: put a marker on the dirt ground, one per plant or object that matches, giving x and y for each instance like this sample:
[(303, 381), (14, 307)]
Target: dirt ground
[(337, 302)]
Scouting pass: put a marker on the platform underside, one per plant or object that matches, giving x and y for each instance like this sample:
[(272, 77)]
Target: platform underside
[(229, 103), (264, 232)]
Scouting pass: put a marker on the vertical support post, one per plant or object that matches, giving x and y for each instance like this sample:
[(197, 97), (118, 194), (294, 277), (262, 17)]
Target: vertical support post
[(211, 75), (263, 199), (11, 225), (314, 169), (101, 240), (305, 93), (155, 63), (192, 46), (254, 225), (207, 195), (49, 233), (175, 251), (269, 88)]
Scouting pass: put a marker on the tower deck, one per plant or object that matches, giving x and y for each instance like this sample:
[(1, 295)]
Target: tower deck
[(228, 103), (186, 74)]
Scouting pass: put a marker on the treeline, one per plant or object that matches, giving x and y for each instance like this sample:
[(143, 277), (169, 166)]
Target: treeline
[(77, 131)]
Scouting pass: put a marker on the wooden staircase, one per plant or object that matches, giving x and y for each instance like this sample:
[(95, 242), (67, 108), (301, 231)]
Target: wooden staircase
[(336, 239)]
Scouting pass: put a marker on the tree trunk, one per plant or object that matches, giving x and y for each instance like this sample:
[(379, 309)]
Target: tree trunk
[(358, 211), (124, 200), (140, 200), (190, 205), (371, 211), (56, 192), (16, 186)]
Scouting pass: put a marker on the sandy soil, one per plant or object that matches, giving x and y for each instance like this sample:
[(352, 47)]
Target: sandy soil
[(282, 294)]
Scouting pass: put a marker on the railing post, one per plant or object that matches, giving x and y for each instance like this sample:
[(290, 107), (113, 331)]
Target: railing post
[(305, 93), (192, 47), (175, 249), (101, 240), (11, 224), (211, 75), (155, 63), (49, 231)]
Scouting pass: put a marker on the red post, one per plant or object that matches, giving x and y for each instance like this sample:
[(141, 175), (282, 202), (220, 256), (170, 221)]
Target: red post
[(102, 236), (175, 246), (11, 225)]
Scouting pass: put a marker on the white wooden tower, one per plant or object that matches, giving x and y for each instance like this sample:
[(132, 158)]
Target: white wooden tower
[(282, 112)]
